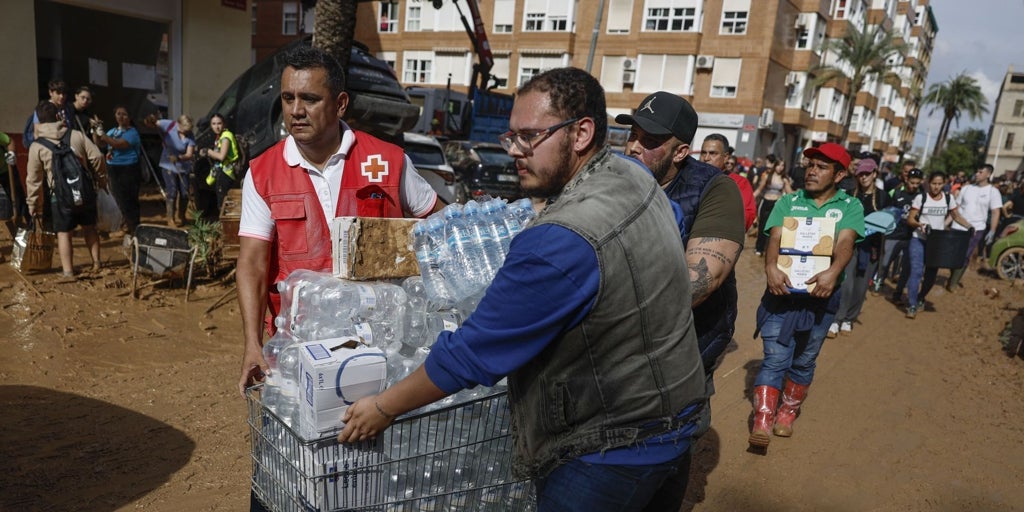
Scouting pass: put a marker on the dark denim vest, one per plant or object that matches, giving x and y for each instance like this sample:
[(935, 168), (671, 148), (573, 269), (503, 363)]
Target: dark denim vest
[(627, 370), (715, 318)]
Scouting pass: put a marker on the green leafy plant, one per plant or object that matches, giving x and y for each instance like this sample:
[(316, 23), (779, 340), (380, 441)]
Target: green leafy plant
[(205, 236)]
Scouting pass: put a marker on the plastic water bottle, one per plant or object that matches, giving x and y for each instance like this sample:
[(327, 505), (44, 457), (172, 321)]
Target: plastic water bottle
[(494, 216), (428, 257), (490, 247), (523, 209), (467, 259)]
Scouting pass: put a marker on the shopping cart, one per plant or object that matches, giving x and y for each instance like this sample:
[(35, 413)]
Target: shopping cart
[(453, 458)]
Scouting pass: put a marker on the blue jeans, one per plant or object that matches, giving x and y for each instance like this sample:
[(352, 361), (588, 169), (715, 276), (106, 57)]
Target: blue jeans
[(796, 357), (921, 278), (579, 486), (176, 184)]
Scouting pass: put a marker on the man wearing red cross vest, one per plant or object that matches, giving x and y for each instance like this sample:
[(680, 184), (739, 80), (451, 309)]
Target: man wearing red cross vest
[(322, 170)]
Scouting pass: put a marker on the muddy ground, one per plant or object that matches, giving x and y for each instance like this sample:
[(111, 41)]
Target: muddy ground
[(116, 403)]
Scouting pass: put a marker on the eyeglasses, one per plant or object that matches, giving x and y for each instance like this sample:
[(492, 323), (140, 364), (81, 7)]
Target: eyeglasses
[(528, 140)]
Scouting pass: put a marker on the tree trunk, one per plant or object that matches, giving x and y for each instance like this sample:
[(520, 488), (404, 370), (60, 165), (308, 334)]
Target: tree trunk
[(943, 133), (335, 28)]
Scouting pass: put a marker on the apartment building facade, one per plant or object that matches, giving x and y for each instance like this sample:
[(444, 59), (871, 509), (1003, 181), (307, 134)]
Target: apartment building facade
[(1005, 149), (745, 65)]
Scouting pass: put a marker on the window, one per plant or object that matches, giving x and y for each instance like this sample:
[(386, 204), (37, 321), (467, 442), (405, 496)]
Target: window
[(413, 13), (725, 78), (1018, 108), (803, 38), (504, 16), (547, 15), (417, 67), (1009, 141), (389, 16), (620, 16), (534, 21), (664, 19), (734, 22), (839, 10), (290, 18), (612, 71), (454, 65), (735, 14), (499, 73), (533, 65), (656, 72)]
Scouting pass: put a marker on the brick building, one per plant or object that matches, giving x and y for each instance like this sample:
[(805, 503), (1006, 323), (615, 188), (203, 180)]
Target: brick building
[(744, 64)]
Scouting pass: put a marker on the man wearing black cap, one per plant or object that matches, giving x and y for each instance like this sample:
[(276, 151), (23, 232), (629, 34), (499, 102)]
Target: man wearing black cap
[(796, 310), (663, 127)]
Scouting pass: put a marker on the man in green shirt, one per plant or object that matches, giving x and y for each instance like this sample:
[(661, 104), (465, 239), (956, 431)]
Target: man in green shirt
[(794, 316)]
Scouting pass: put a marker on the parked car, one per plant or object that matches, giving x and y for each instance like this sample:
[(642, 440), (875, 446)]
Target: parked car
[(1007, 254), (426, 154), (483, 168)]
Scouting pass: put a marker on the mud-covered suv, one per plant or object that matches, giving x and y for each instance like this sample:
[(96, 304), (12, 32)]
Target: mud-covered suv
[(251, 105)]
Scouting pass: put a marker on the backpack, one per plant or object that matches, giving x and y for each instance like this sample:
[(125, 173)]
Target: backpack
[(73, 185)]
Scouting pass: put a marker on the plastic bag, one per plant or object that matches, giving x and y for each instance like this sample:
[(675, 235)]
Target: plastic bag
[(108, 215)]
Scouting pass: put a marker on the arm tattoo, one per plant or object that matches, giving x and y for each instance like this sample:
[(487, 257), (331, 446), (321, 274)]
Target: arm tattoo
[(705, 252), (700, 281)]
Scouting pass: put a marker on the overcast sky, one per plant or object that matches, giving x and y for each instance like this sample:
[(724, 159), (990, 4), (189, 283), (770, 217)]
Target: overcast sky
[(980, 37)]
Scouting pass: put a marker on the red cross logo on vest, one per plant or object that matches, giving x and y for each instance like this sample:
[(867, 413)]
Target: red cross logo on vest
[(374, 168)]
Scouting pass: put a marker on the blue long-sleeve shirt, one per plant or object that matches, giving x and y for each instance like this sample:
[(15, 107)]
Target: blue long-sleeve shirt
[(546, 287)]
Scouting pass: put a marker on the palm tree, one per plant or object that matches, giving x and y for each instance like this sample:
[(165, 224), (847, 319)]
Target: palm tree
[(868, 54), (955, 96), (335, 27)]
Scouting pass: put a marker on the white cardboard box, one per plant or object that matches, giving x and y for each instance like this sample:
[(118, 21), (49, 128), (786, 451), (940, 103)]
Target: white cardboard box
[(800, 268), (332, 377), (808, 235)]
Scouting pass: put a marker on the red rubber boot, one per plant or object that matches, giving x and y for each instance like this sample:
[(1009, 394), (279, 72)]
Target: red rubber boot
[(765, 400), (792, 397)]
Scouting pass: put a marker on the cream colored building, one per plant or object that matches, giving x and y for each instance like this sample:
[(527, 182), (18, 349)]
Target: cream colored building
[(179, 54), (1006, 136), (742, 63)]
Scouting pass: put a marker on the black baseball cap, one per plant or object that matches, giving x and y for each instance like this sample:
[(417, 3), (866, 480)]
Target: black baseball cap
[(664, 113)]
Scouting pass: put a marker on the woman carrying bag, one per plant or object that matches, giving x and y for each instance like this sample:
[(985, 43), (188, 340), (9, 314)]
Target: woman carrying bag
[(928, 213)]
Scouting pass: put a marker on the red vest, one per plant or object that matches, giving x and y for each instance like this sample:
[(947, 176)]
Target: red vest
[(370, 187)]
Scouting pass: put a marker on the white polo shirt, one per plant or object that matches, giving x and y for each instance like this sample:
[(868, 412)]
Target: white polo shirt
[(417, 197)]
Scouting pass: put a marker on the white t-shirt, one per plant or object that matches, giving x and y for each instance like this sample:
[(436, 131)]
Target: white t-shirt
[(933, 212), (417, 196), (976, 205)]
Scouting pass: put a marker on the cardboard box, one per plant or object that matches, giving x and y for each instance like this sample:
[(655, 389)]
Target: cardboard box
[(369, 248), (331, 377), (800, 268), (808, 235)]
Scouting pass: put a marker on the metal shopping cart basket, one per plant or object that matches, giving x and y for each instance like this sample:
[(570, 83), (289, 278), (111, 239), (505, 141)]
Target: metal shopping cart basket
[(454, 458), (162, 252)]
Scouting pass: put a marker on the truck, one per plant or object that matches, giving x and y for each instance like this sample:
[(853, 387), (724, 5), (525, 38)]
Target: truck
[(479, 115)]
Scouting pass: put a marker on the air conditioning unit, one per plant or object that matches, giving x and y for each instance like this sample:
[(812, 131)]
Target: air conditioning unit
[(767, 118), (628, 65), (705, 61), (792, 78), (801, 21), (628, 77)]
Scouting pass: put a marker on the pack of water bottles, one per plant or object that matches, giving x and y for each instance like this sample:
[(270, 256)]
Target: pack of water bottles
[(460, 248)]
